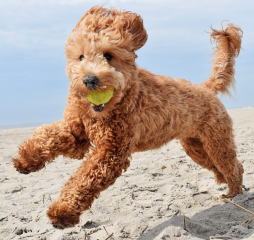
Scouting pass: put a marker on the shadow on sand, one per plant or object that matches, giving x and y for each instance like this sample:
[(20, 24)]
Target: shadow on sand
[(225, 220)]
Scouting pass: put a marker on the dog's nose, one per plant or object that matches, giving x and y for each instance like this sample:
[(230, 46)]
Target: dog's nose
[(91, 82)]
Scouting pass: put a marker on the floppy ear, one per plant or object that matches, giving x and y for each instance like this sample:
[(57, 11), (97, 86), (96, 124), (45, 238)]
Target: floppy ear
[(134, 25)]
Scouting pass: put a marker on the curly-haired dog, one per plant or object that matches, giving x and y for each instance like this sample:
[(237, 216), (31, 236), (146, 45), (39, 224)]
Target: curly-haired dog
[(145, 112)]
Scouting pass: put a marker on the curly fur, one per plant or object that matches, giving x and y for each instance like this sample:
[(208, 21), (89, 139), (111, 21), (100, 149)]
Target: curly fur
[(146, 112)]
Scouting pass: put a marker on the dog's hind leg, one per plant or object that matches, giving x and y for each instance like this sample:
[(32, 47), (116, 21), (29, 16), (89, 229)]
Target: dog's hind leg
[(194, 149), (218, 142)]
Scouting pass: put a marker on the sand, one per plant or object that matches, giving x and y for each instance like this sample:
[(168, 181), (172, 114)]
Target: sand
[(147, 202)]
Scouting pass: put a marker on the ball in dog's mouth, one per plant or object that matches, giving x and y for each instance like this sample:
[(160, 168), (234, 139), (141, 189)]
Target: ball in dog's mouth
[(99, 99)]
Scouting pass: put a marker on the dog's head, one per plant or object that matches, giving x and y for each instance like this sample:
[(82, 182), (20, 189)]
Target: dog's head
[(100, 53)]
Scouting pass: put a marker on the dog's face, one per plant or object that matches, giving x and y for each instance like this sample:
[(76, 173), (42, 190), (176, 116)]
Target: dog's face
[(100, 54)]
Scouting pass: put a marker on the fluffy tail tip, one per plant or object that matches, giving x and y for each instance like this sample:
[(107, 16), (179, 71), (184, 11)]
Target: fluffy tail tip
[(228, 47)]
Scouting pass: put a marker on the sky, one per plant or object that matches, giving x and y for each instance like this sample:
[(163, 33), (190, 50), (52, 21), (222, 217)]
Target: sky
[(33, 83)]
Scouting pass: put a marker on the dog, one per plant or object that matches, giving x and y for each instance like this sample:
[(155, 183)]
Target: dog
[(145, 112)]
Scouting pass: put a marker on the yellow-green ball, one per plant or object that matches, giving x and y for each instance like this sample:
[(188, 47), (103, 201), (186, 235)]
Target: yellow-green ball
[(100, 97)]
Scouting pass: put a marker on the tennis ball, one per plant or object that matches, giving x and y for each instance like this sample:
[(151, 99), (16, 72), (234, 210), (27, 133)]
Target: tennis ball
[(100, 97)]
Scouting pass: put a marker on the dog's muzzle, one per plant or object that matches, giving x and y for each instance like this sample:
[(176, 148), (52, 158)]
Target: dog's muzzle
[(91, 82)]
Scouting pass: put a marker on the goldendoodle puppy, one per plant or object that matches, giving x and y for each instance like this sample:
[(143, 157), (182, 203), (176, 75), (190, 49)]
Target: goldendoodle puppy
[(145, 112)]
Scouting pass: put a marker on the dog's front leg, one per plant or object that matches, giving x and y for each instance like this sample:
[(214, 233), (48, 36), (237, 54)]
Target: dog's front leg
[(102, 168), (47, 143)]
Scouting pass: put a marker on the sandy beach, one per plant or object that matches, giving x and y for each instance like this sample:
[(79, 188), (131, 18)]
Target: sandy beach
[(149, 201)]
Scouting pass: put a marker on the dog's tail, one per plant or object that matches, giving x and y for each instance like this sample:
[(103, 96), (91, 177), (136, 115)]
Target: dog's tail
[(228, 48)]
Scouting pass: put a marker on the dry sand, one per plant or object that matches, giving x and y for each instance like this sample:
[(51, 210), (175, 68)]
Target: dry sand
[(147, 202)]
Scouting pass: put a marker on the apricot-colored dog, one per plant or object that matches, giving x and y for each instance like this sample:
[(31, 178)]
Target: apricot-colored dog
[(145, 112)]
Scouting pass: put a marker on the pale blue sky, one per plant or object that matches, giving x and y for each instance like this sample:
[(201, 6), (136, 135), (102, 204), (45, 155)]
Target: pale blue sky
[(34, 86)]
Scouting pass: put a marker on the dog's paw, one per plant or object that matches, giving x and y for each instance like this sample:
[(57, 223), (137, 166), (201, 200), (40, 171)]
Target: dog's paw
[(232, 194), (21, 167), (61, 216), (227, 196)]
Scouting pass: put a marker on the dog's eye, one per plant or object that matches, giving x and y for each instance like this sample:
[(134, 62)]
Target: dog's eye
[(81, 57), (108, 56)]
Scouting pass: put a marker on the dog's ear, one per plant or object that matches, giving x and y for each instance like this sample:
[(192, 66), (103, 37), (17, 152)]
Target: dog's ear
[(134, 25)]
